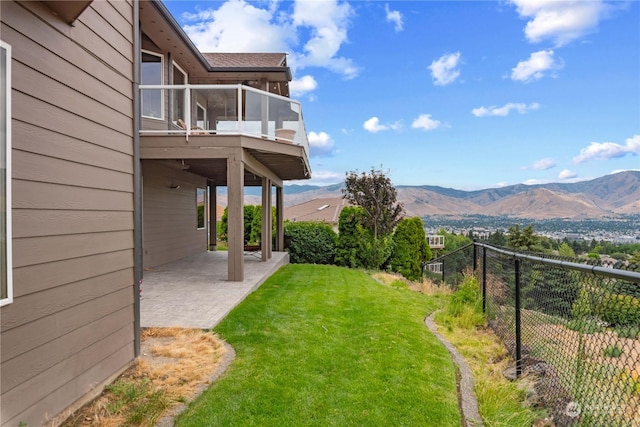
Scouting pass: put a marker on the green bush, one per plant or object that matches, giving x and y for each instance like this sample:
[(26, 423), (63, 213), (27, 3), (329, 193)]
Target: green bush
[(410, 248), (310, 242), (467, 294), (619, 309)]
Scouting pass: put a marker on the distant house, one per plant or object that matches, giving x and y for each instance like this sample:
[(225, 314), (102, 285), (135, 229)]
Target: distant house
[(325, 210), (113, 122)]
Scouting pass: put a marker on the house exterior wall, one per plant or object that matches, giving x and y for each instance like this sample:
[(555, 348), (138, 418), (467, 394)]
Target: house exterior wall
[(70, 326), (169, 214)]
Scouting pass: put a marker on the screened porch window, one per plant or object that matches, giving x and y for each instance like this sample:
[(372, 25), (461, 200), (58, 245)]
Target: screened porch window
[(6, 265)]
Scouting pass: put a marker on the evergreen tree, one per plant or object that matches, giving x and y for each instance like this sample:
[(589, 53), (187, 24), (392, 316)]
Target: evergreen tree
[(410, 249)]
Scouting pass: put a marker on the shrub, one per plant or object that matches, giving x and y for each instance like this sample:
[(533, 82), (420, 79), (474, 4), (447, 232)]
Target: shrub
[(310, 242), (619, 309), (410, 248)]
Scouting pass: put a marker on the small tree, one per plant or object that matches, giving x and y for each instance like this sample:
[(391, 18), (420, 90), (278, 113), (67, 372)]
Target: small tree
[(410, 248), (377, 196), (351, 235)]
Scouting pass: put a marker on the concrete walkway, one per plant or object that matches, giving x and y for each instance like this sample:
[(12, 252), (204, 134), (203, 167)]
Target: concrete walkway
[(194, 292)]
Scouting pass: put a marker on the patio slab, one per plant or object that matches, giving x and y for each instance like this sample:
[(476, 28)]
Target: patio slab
[(194, 292)]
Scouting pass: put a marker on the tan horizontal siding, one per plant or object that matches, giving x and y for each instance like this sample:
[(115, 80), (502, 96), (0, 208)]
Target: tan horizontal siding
[(48, 328), (53, 40), (27, 109), (34, 167), (37, 140), (63, 383), (66, 73), (31, 82), (43, 195), (170, 216), (123, 8), (38, 223), (102, 18), (71, 324), (38, 250), (57, 299), (20, 369), (36, 278)]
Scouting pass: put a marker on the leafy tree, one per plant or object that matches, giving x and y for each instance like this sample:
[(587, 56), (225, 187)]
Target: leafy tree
[(566, 251), (410, 248), (256, 223), (377, 197), (224, 226), (310, 242), (249, 211)]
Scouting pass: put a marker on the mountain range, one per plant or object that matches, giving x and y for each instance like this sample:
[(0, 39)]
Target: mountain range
[(610, 196)]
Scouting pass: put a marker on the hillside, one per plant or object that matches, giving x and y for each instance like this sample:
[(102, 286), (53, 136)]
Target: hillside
[(607, 196)]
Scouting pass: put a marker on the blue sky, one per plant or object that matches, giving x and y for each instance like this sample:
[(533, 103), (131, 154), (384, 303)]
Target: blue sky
[(462, 94)]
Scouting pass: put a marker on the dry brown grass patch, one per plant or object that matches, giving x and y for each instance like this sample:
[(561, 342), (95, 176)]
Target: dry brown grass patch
[(175, 365)]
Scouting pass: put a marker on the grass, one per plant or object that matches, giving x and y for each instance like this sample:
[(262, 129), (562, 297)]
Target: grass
[(328, 346), (182, 362), (502, 403)]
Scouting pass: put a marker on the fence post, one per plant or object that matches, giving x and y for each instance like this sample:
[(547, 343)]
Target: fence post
[(443, 271), (518, 324), (475, 262), (484, 280)]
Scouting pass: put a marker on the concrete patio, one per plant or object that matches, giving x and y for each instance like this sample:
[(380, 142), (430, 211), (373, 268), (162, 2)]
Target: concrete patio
[(194, 292)]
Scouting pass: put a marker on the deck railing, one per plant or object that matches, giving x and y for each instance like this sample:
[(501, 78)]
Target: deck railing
[(221, 110)]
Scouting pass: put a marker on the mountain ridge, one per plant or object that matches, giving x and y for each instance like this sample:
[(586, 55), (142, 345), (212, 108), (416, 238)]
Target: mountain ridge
[(614, 195)]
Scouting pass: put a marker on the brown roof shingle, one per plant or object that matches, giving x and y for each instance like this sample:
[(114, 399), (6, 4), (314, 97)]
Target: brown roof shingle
[(246, 60)]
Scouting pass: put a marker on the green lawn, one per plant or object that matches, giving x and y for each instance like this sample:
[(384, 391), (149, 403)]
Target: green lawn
[(328, 346)]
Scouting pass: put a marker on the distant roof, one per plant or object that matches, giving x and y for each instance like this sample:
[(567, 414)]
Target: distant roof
[(246, 60), (317, 210)]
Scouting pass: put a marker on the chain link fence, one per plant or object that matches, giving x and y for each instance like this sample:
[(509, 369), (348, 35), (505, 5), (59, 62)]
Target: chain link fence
[(573, 327)]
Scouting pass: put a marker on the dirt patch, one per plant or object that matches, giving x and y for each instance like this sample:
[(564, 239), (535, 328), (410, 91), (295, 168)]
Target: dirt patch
[(174, 367)]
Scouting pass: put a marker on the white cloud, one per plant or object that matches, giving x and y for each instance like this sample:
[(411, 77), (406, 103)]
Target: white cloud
[(504, 110), (560, 21), (444, 69), (536, 66), (542, 164), (533, 182), (327, 22), (395, 17), (237, 26), (303, 85), (373, 125), (609, 150), (425, 122), (320, 143), (567, 174), (312, 35)]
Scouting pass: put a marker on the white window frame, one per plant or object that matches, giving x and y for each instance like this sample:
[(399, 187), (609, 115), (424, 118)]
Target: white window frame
[(184, 81), (162, 104), (202, 124), (204, 204), (6, 92)]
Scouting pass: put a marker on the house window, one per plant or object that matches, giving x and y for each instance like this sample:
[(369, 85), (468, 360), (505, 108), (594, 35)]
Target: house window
[(179, 78), (6, 264), (200, 204), (201, 117), (152, 99)]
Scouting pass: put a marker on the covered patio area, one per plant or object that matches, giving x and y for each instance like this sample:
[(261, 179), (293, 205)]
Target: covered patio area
[(194, 292)]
